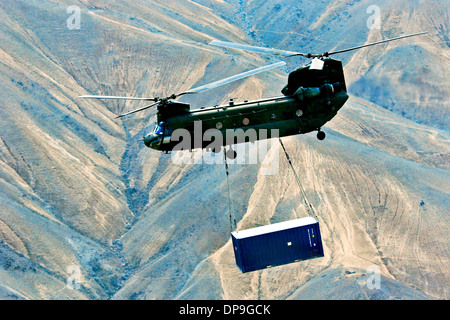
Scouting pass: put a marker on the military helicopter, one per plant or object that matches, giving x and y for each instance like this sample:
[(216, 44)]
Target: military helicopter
[(313, 95)]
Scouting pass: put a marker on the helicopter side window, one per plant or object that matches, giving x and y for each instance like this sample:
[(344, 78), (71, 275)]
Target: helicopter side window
[(167, 130)]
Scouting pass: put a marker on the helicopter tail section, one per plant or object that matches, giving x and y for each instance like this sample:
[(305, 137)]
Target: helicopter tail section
[(331, 72)]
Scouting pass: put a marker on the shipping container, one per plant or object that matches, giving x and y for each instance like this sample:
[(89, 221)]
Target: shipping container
[(277, 244)]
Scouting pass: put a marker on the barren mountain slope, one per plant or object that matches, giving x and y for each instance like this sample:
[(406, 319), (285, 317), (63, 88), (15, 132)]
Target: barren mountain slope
[(375, 209), (409, 77), (65, 191), (78, 189)]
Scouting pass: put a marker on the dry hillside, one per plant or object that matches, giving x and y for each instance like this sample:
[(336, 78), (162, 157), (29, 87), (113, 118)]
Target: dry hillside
[(77, 188)]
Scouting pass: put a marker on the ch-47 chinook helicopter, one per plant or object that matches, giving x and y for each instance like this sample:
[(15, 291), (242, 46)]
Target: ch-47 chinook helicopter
[(313, 95)]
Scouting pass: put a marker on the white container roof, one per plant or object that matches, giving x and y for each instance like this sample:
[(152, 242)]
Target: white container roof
[(274, 227)]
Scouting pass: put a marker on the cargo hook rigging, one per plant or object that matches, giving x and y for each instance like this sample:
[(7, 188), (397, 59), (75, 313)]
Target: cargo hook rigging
[(308, 206), (231, 213)]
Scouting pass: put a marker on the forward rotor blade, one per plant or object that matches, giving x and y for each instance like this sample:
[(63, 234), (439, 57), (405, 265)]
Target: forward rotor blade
[(246, 47), (378, 42), (234, 78), (115, 97), (137, 110)]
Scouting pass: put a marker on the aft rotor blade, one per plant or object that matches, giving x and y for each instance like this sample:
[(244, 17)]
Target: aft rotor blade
[(246, 47), (137, 110), (234, 78), (115, 97), (375, 43)]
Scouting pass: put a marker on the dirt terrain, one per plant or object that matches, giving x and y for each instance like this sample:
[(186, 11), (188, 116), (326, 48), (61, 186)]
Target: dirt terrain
[(80, 192)]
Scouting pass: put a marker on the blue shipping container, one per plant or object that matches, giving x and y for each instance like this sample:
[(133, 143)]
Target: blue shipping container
[(277, 244)]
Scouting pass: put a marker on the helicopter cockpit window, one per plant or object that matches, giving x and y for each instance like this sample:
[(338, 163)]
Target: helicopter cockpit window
[(161, 128)]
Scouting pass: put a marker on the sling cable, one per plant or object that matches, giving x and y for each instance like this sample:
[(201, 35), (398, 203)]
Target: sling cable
[(232, 216), (308, 206)]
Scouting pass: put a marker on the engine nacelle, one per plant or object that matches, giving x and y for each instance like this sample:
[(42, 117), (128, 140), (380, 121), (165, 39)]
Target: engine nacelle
[(324, 90)]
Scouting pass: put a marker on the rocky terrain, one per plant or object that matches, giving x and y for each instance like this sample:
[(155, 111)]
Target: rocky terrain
[(81, 196)]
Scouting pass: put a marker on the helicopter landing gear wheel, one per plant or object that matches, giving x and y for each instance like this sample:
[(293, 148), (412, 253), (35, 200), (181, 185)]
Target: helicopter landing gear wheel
[(231, 154), (321, 135)]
